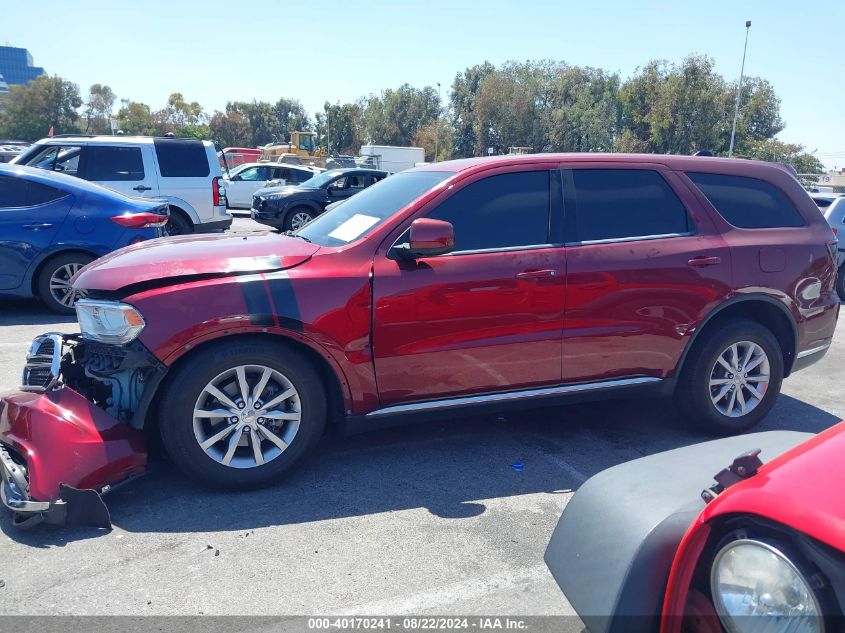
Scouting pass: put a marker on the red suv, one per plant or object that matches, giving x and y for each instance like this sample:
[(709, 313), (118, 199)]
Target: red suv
[(465, 284)]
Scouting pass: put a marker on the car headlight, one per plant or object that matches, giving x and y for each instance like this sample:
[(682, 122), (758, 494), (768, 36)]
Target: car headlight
[(108, 321), (757, 588)]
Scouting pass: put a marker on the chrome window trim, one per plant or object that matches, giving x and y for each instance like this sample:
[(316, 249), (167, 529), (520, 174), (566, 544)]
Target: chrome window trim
[(636, 238), (508, 396)]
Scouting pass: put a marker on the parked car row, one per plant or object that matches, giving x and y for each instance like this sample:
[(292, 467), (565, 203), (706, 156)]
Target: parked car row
[(243, 181), (185, 173)]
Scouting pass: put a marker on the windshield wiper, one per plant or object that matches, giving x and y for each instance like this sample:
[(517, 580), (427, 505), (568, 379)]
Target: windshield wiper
[(302, 237)]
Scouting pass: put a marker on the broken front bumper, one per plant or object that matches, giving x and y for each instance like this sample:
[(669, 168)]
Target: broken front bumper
[(59, 453)]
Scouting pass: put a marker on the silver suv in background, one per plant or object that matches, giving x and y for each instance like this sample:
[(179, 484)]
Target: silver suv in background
[(832, 206), (183, 172)]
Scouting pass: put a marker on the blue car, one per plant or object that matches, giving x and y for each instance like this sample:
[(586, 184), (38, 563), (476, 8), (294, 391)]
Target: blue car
[(51, 225)]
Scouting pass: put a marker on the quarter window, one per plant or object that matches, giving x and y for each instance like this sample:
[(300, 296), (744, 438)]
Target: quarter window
[(615, 204), (748, 203), (109, 163), (178, 158), (504, 211)]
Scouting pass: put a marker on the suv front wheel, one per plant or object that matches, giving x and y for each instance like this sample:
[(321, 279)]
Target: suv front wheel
[(732, 379)]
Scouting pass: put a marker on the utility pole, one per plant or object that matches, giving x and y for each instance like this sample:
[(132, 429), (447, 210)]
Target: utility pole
[(739, 89), (437, 125)]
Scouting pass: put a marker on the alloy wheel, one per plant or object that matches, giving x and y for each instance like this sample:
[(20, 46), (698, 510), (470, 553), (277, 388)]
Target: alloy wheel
[(739, 379), (60, 287), (299, 220), (247, 416)]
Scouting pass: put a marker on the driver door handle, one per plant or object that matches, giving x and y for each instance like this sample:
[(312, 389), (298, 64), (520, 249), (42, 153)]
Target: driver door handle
[(142, 188), (37, 227), (536, 274), (703, 260)]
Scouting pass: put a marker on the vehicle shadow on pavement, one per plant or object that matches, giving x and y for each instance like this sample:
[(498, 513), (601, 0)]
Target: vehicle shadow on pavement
[(452, 469), (17, 312)]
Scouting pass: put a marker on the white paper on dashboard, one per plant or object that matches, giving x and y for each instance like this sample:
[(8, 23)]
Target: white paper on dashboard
[(353, 227)]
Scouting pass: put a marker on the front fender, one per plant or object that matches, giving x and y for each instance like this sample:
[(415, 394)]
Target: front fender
[(614, 546)]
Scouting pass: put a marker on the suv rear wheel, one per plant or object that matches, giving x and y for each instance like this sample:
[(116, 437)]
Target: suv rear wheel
[(242, 414), (177, 224), (732, 379)]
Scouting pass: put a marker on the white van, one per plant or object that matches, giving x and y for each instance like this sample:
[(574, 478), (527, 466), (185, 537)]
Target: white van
[(183, 172)]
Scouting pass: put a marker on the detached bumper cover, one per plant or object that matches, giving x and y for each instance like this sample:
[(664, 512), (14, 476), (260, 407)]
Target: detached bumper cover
[(58, 453)]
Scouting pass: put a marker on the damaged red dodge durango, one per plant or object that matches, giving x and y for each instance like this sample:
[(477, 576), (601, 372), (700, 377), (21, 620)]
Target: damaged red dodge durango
[(465, 284)]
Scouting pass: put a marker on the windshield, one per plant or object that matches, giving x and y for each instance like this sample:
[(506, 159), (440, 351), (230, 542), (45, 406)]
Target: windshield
[(360, 214), (321, 180)]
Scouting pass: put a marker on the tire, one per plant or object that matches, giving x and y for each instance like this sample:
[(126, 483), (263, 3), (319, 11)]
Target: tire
[(298, 217), (182, 432), (178, 225), (53, 281), (707, 406), (840, 283)]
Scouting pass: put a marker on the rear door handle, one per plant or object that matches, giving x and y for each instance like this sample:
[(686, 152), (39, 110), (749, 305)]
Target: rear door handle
[(703, 260), (536, 274), (37, 227), (142, 188)]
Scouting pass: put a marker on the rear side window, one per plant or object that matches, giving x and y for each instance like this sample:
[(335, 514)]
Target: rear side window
[(17, 192), (614, 204), (508, 210), (181, 159), (748, 203), (299, 175), (105, 164)]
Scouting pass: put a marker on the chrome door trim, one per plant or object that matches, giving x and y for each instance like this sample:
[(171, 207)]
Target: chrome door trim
[(814, 350)]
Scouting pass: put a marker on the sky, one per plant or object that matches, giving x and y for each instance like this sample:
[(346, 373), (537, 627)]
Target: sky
[(334, 50)]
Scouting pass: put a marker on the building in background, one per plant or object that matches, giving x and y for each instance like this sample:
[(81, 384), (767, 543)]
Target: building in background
[(16, 66)]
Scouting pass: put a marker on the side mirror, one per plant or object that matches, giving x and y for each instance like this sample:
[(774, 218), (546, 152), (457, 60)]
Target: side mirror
[(427, 238)]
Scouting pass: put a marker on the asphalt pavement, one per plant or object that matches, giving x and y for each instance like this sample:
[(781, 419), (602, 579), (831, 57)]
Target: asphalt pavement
[(427, 519)]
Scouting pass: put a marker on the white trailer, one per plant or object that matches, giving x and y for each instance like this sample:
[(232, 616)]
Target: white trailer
[(392, 158)]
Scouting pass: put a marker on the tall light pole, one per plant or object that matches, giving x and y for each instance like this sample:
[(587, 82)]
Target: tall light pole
[(329, 129), (437, 124), (739, 89)]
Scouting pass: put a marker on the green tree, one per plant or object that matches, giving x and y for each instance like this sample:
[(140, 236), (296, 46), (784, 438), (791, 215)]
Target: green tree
[(180, 117), (394, 117), (136, 118), (230, 129), (30, 111), (463, 97), (291, 117), (346, 127), (777, 151), (98, 109)]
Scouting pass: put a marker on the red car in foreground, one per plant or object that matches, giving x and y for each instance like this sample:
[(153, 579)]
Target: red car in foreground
[(479, 283), (648, 547)]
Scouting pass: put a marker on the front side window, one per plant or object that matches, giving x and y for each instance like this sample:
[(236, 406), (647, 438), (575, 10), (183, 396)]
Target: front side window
[(63, 158), (747, 203), (617, 204), (504, 211), (363, 212), (104, 163), (253, 174)]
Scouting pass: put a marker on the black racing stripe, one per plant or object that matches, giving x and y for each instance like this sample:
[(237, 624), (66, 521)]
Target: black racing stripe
[(284, 300), (257, 302)]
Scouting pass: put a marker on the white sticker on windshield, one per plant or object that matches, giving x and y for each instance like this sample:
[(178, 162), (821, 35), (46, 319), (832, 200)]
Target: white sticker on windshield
[(353, 227)]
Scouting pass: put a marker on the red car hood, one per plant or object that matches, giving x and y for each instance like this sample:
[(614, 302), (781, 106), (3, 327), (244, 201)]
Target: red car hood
[(188, 255), (801, 488)]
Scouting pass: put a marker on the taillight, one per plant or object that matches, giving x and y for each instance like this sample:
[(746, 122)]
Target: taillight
[(142, 220), (218, 191)]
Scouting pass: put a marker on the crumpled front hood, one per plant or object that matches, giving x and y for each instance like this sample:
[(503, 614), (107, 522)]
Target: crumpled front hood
[(185, 256)]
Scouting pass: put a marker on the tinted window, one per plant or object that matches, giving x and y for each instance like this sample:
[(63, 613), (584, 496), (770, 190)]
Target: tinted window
[(499, 211), (17, 192), (623, 203), (42, 194), (181, 159), (299, 175), (12, 192), (748, 203), (113, 163)]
